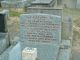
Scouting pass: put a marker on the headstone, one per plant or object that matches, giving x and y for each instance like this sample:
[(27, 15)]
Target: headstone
[(67, 30), (29, 54), (0, 2), (46, 10), (65, 50), (15, 53), (3, 22), (41, 31), (43, 3), (65, 54), (12, 53), (4, 42), (13, 4)]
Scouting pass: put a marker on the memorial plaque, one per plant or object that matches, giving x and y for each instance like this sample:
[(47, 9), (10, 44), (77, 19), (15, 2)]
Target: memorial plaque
[(13, 4), (41, 28)]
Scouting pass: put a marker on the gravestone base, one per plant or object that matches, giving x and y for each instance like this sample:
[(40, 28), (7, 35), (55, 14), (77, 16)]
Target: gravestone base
[(4, 42), (12, 53)]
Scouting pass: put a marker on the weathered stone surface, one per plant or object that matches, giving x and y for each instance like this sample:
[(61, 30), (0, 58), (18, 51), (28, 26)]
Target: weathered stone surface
[(41, 31), (46, 10), (4, 42), (40, 28), (15, 53), (64, 54), (12, 53)]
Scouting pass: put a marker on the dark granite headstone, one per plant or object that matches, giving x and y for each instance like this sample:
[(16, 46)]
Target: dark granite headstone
[(2, 23), (3, 20)]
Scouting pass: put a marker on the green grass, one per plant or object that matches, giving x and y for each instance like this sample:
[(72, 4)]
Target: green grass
[(75, 13), (14, 13)]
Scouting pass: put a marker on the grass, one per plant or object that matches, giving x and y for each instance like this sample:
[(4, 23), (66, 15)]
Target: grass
[(75, 13), (13, 13)]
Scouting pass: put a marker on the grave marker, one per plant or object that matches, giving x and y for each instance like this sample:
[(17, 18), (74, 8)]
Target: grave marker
[(43, 3), (3, 20), (13, 4), (15, 52), (4, 42), (41, 31)]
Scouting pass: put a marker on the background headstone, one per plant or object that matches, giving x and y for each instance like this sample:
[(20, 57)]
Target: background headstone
[(43, 3), (67, 28), (12, 53), (45, 10), (13, 4)]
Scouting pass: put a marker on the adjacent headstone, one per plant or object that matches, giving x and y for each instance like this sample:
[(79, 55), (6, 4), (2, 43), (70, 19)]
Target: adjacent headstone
[(4, 42), (65, 54), (40, 27), (12, 53), (65, 50), (41, 31), (0, 2), (67, 28), (3, 20), (29, 54)]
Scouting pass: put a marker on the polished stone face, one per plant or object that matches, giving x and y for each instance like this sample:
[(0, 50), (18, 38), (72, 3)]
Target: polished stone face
[(2, 23), (4, 15), (41, 31)]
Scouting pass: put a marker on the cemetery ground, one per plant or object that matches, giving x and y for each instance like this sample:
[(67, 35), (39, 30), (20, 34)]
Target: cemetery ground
[(75, 13), (13, 25)]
